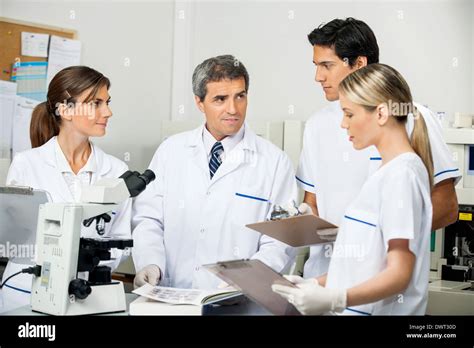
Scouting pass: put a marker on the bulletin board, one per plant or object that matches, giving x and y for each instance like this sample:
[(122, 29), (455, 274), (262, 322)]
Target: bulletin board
[(10, 42)]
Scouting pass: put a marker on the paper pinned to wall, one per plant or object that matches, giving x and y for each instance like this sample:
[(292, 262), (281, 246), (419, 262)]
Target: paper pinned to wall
[(62, 53), (7, 108), (34, 44), (31, 79), (21, 124), (7, 88)]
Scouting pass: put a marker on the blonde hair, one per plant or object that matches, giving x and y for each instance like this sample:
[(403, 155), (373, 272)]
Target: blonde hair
[(377, 84)]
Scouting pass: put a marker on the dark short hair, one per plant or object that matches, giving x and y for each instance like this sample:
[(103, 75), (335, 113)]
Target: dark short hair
[(225, 67), (350, 38)]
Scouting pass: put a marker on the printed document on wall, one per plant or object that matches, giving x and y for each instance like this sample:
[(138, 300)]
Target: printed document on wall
[(62, 53), (7, 107), (21, 124), (34, 44), (30, 78)]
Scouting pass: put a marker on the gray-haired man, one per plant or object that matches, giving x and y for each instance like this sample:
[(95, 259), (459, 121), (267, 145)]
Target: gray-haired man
[(210, 183)]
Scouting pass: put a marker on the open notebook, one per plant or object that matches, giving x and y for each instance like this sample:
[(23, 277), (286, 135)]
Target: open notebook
[(160, 300)]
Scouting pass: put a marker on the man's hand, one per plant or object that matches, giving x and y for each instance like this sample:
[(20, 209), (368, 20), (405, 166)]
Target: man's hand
[(150, 274)]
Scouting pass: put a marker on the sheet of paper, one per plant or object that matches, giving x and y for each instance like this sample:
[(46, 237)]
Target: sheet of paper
[(7, 108), (34, 44), (21, 124), (177, 295), (171, 295), (7, 88), (62, 53), (30, 78)]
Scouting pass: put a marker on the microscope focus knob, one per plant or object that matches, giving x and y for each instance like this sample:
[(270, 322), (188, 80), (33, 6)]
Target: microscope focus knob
[(79, 288), (95, 260)]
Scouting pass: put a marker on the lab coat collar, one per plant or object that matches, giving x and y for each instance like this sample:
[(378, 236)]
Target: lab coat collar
[(228, 143), (247, 143), (63, 165), (99, 165)]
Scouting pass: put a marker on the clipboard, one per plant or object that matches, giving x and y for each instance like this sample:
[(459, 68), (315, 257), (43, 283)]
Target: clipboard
[(255, 279), (296, 231)]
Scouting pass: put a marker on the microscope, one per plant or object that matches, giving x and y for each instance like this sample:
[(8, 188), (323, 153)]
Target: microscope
[(459, 248), (451, 289), (62, 254)]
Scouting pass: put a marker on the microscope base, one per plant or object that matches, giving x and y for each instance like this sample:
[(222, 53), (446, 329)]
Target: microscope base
[(108, 298)]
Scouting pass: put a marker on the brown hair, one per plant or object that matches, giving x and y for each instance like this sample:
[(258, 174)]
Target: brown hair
[(376, 84), (64, 88)]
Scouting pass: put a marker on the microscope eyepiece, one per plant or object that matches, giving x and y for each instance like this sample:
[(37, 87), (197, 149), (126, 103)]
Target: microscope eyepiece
[(137, 182), (148, 176)]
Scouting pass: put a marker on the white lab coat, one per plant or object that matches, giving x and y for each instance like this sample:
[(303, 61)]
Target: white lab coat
[(37, 168), (185, 220)]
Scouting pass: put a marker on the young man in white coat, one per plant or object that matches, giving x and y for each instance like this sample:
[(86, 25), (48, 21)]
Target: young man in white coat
[(330, 171), (211, 182)]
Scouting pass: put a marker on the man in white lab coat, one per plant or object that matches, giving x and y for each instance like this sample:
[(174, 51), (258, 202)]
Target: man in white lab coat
[(330, 171), (211, 182)]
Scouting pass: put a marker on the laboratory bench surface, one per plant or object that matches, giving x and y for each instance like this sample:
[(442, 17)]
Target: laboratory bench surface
[(247, 307)]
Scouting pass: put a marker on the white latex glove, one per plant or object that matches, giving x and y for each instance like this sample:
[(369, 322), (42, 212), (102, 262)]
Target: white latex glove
[(299, 280), (150, 274), (290, 207), (329, 234), (305, 209), (313, 299)]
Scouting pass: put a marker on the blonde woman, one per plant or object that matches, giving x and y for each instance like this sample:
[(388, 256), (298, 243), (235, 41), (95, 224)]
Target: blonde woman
[(380, 261)]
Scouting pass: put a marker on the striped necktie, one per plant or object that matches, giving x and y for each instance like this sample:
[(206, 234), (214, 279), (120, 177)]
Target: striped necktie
[(215, 160)]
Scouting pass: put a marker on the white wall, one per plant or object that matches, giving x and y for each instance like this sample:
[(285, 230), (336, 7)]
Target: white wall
[(472, 56), (111, 32), (430, 42)]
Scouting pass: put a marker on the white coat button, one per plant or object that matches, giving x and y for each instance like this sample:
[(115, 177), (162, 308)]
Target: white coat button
[(208, 193), (196, 268)]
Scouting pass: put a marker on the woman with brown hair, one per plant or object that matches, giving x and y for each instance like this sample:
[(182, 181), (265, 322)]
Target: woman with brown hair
[(63, 159)]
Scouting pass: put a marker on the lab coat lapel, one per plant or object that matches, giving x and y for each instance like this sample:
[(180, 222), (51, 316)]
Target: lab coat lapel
[(103, 165), (241, 154), (232, 162), (61, 191), (197, 154)]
